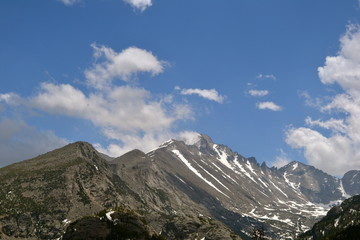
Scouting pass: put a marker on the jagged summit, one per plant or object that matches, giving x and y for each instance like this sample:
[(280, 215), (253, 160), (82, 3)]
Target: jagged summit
[(203, 142)]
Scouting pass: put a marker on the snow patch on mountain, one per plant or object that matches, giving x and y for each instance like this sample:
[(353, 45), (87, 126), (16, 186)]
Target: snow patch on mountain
[(214, 177), (278, 188), (222, 156), (291, 184), (248, 164), (194, 170), (241, 168), (342, 190), (295, 166)]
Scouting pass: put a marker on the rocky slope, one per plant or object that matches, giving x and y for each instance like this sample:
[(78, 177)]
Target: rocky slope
[(341, 222), (183, 191)]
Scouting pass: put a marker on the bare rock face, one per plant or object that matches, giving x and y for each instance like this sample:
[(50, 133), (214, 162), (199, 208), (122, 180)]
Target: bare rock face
[(313, 183), (177, 191), (351, 181)]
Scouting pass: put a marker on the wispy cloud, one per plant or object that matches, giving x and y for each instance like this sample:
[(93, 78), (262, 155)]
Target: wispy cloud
[(281, 160), (269, 106), (266, 76), (258, 93), (339, 151), (210, 94)]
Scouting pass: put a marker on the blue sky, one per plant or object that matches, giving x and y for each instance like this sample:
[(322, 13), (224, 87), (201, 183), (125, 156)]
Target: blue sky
[(277, 80)]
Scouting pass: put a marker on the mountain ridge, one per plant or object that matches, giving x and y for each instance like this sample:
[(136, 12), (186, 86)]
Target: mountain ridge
[(176, 184)]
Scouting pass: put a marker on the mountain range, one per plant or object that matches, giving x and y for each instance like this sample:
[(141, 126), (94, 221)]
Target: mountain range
[(201, 190)]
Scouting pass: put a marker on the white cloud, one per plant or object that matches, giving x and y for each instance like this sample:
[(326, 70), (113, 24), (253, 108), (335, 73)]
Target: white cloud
[(258, 93), (266, 76), (335, 155), (269, 105), (344, 68), (69, 2), (124, 65), (210, 94), (139, 4), (337, 151), (10, 98), (146, 142), (337, 125), (19, 141), (189, 137), (129, 117), (310, 101), (123, 108)]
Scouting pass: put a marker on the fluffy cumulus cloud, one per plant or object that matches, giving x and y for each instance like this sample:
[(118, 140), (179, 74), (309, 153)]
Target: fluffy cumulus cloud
[(268, 106), (125, 65), (333, 144), (123, 108), (210, 94), (139, 4), (258, 93), (126, 114), (19, 141), (130, 117), (344, 69)]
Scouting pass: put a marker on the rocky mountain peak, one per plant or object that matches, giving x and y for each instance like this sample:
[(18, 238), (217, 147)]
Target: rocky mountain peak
[(204, 143), (85, 149)]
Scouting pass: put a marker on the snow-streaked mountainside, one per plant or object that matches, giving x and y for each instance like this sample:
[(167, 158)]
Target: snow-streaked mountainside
[(341, 222), (291, 198), (183, 191)]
